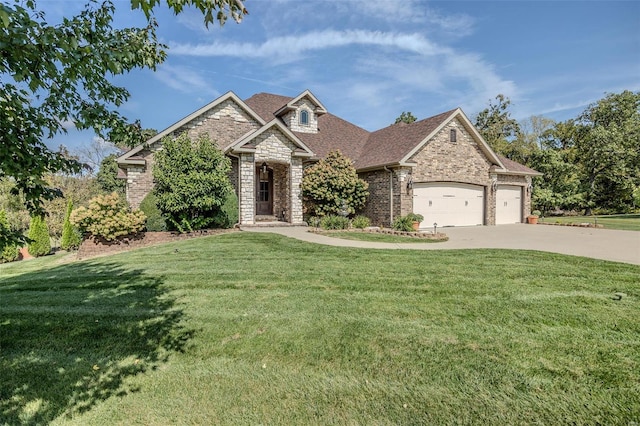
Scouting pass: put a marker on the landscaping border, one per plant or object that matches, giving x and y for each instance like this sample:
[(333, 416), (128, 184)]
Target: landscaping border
[(387, 231), (92, 246)]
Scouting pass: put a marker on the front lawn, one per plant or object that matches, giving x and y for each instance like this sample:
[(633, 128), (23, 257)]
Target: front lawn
[(250, 328), (629, 222)]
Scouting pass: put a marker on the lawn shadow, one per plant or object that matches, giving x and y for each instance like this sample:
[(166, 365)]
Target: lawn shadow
[(72, 335)]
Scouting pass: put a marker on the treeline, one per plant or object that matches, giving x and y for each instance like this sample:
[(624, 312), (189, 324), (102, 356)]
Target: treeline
[(591, 163)]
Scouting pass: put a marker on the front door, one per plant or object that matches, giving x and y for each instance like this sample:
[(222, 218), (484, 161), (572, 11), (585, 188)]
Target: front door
[(264, 191)]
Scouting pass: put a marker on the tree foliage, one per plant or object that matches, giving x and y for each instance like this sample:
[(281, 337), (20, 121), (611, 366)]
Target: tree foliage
[(155, 221), (607, 149), (331, 185), (57, 73), (107, 176), (406, 117), (191, 182), (71, 237), (496, 125), (40, 243), (8, 250)]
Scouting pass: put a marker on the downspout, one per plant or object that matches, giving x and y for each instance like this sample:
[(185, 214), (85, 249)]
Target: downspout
[(390, 194)]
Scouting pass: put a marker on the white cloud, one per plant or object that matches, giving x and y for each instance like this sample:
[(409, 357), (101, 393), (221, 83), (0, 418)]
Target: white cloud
[(291, 47), (185, 80)]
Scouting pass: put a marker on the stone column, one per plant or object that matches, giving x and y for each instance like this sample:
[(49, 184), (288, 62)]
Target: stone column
[(296, 190), (490, 218), (247, 198)]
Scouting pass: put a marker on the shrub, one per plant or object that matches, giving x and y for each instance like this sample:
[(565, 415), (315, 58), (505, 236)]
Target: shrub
[(108, 217), (71, 237), (334, 222), (9, 251), (331, 185), (360, 222), (40, 244), (403, 223), (192, 183), (155, 221), (228, 215), (415, 217), (314, 221)]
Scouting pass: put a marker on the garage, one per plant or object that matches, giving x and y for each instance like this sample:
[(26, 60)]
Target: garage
[(508, 204), (449, 203)]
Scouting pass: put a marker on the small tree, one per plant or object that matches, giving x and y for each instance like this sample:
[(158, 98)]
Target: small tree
[(332, 185), (107, 176), (8, 250), (192, 182), (40, 244), (71, 237)]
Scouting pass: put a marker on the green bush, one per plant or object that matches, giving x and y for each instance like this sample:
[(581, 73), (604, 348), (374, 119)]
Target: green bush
[(9, 251), (415, 217), (332, 185), (155, 221), (403, 223), (314, 221), (71, 237), (360, 222), (192, 183), (228, 215), (40, 244), (334, 222), (108, 217)]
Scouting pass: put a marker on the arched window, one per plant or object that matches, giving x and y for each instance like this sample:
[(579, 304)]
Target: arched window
[(304, 118)]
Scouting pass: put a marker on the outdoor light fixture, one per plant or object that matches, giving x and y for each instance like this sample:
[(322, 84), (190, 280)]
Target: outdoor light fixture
[(264, 167), (410, 183)]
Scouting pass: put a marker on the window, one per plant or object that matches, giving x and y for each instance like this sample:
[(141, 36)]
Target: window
[(452, 135), (304, 118)]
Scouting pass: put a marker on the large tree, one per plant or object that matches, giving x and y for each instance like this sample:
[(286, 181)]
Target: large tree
[(52, 74), (606, 142), (496, 125)]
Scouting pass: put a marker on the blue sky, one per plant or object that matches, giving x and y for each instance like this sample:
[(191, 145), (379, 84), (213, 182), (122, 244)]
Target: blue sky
[(369, 60)]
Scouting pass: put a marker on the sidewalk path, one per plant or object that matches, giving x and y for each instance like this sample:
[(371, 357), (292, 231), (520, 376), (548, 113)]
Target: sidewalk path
[(606, 244)]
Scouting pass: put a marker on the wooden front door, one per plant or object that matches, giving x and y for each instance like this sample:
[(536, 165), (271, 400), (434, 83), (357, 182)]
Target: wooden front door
[(264, 191)]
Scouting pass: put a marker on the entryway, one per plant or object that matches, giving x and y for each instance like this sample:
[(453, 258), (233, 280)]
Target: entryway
[(264, 190)]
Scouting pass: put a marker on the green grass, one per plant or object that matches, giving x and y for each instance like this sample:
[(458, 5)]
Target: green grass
[(630, 222), (378, 238), (250, 328)]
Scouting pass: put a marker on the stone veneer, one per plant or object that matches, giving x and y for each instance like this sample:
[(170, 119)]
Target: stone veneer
[(292, 118), (224, 123), (275, 149)]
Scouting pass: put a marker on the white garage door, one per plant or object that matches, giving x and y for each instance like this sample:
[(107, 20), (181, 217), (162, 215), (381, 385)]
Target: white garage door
[(508, 204), (449, 203)]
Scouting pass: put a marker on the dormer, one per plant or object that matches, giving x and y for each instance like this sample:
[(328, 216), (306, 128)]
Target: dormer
[(302, 112)]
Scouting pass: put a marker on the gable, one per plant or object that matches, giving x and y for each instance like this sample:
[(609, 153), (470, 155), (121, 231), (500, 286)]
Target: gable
[(272, 141), (224, 120), (440, 159)]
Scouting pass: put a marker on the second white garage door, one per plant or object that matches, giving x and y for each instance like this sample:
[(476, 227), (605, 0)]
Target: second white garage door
[(508, 204), (449, 203)]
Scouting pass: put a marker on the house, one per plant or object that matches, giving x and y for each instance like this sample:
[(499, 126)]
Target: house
[(439, 167)]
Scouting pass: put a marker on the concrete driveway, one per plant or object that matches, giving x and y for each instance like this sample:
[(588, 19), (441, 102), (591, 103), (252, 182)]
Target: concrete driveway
[(606, 244)]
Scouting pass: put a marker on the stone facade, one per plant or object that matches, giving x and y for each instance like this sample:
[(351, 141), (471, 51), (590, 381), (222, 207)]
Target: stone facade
[(441, 159), (247, 197), (224, 124), (292, 118)]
